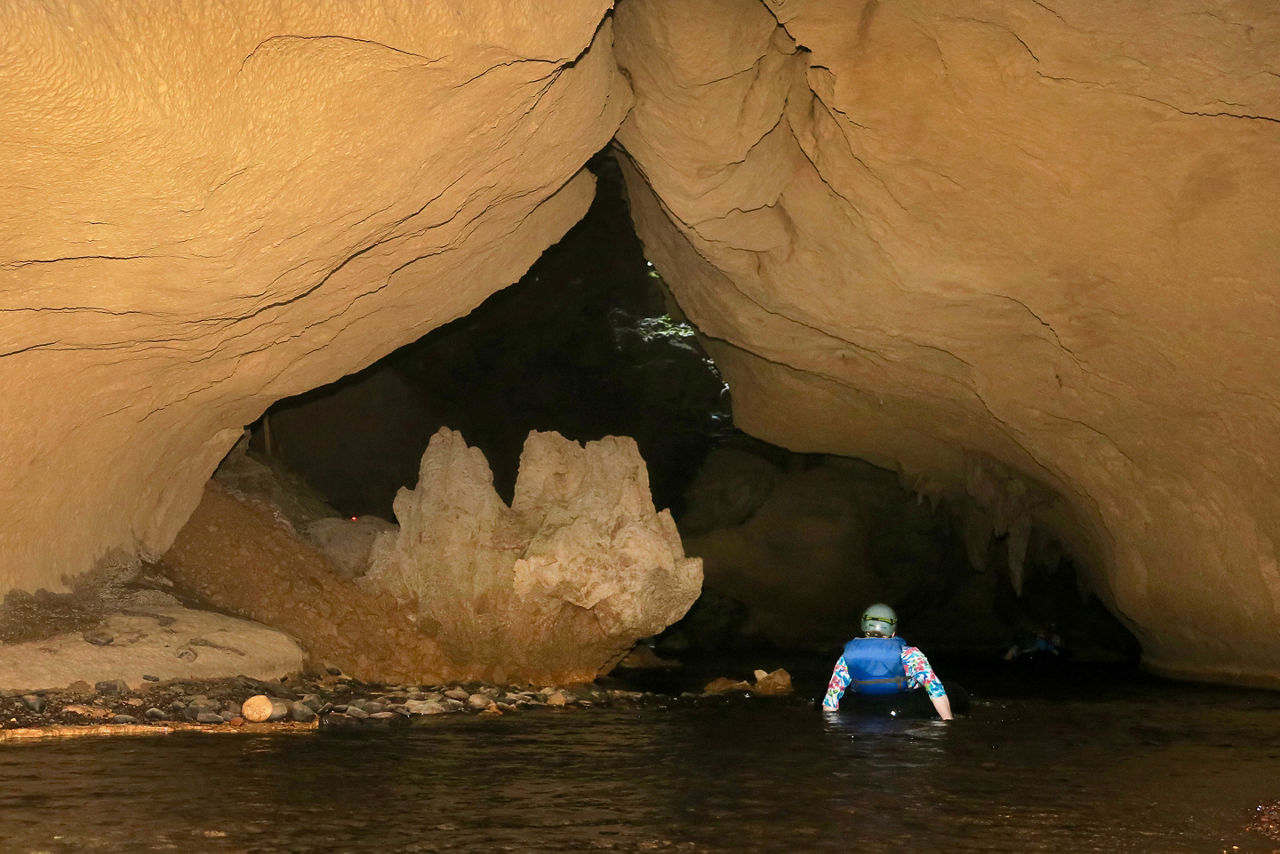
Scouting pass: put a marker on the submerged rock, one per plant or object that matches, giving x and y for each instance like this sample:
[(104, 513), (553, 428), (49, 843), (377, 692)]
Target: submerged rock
[(775, 684)]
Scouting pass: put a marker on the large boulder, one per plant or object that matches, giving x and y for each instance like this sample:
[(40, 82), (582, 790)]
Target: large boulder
[(936, 235), (555, 588), (209, 209), (240, 554)]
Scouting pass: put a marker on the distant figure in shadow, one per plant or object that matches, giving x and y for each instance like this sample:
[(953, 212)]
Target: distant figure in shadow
[(880, 663), (1035, 645)]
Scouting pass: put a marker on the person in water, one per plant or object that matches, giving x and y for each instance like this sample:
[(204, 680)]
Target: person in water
[(880, 662)]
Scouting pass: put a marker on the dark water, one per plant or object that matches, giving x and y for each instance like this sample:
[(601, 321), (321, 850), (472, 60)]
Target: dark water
[(1138, 767)]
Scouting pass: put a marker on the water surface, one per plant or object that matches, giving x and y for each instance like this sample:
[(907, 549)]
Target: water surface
[(1142, 766)]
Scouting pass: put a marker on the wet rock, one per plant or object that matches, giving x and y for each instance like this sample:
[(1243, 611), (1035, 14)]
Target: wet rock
[(124, 719), (34, 702), (209, 718), (557, 699), (424, 707), (154, 714), (111, 687), (384, 719), (775, 684), (301, 712), (461, 694), (724, 685), (476, 702), (357, 713)]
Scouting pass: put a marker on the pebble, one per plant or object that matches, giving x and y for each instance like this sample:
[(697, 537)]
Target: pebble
[(124, 719), (209, 718), (154, 714), (111, 687), (476, 702), (34, 702), (357, 712), (459, 694)]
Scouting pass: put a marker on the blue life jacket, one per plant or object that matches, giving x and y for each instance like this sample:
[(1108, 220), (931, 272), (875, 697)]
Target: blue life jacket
[(875, 665)]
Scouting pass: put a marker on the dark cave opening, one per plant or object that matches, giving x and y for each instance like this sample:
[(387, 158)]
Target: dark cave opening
[(589, 343), (584, 345)]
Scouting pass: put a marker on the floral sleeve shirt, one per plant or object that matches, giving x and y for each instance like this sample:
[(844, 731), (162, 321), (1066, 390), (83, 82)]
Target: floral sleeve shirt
[(914, 664)]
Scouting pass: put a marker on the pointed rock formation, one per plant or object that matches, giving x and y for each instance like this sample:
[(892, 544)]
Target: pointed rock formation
[(555, 588)]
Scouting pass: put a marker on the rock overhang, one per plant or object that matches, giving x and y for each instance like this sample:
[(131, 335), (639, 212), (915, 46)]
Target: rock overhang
[(917, 235)]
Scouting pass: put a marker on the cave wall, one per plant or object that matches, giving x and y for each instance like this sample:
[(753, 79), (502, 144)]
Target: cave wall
[(208, 207), (1034, 239), (950, 238)]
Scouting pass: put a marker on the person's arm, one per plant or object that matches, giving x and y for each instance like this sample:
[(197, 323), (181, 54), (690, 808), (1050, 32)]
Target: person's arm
[(835, 688), (920, 674)]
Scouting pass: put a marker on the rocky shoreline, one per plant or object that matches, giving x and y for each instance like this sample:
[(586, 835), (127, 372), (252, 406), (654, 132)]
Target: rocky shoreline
[(331, 701)]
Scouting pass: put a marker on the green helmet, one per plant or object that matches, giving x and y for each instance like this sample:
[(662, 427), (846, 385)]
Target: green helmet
[(879, 619)]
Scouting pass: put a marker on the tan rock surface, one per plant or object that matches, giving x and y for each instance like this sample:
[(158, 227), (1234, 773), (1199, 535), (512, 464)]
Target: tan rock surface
[(241, 557), (929, 234), (165, 643), (556, 588), (212, 208)]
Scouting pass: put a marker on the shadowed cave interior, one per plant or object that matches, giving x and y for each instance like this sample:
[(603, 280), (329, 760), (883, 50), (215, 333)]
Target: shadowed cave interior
[(589, 343)]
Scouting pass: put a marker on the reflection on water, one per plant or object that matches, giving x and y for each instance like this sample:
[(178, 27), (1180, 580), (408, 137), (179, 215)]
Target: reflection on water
[(1152, 768)]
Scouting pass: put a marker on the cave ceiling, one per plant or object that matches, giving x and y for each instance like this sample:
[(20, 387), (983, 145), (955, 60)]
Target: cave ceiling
[(1021, 252)]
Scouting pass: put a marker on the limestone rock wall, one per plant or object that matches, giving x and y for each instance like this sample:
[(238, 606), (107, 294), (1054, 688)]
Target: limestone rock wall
[(928, 233), (213, 206), (555, 588)]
